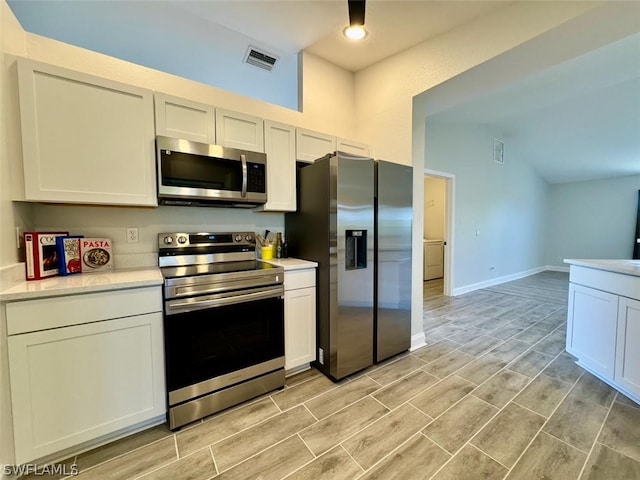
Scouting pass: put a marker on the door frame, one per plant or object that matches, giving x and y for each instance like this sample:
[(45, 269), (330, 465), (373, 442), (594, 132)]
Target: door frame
[(449, 228)]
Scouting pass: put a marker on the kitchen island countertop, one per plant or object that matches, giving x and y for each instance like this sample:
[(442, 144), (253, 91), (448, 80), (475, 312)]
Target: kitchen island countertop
[(83, 283), (627, 267)]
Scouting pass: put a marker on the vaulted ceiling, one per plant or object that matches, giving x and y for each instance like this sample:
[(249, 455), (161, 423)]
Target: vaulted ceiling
[(578, 121)]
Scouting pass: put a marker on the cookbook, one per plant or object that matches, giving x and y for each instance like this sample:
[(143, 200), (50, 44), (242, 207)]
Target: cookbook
[(68, 249), (41, 255), (96, 254)]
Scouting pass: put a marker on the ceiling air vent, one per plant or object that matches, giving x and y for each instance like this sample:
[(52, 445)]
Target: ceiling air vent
[(260, 58)]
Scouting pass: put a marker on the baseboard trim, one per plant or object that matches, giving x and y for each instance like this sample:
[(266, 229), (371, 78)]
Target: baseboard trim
[(417, 341), (553, 268), (496, 281)]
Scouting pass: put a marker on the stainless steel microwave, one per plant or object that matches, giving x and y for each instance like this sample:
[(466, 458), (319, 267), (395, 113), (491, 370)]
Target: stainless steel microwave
[(192, 173)]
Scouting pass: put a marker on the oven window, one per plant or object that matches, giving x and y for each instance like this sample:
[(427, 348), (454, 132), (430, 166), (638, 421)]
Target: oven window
[(195, 171), (206, 343)]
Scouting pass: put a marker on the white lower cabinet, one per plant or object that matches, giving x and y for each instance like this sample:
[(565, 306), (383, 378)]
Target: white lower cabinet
[(627, 371), (75, 384), (592, 327), (299, 318), (603, 326)]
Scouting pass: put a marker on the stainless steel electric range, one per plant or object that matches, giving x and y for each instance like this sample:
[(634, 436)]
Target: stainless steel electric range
[(223, 322)]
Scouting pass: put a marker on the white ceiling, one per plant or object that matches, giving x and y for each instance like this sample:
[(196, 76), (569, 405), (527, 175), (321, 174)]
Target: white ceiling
[(316, 25), (577, 121)]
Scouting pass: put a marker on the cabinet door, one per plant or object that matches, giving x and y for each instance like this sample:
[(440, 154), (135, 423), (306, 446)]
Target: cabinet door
[(355, 148), (238, 130), (628, 345), (592, 328), (280, 147), (312, 145), (75, 384), (180, 118), (299, 327), (85, 139)]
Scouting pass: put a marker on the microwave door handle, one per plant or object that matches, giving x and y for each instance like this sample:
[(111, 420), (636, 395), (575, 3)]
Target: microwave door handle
[(243, 158)]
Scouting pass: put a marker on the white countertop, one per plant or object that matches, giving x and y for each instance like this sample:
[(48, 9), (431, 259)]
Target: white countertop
[(292, 263), (83, 283), (626, 267)]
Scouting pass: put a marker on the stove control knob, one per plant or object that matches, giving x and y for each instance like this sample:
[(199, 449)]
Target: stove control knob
[(238, 238), (248, 238), (182, 239), (168, 240)]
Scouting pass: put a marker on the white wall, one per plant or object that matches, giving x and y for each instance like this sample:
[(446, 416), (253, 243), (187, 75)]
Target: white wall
[(385, 111), (328, 105), (435, 194), (112, 222), (595, 219), (11, 38), (12, 215), (500, 209), (171, 40)]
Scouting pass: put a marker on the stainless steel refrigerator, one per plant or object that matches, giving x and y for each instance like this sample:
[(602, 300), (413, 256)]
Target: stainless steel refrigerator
[(354, 219)]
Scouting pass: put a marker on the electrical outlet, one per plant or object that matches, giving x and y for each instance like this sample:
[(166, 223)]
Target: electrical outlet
[(19, 237), (132, 235)]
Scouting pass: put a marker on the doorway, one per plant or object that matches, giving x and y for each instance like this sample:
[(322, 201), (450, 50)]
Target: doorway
[(438, 234)]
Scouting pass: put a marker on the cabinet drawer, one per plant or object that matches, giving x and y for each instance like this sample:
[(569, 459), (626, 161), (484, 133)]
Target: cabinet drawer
[(46, 313), (299, 279)]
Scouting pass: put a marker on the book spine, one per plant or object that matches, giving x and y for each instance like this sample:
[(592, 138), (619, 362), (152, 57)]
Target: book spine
[(29, 256), (62, 256)]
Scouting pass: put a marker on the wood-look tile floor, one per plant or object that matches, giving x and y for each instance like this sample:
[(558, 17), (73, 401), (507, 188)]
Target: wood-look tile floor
[(493, 395)]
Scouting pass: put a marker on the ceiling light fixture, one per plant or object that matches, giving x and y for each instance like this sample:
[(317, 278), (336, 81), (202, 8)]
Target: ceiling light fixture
[(355, 30)]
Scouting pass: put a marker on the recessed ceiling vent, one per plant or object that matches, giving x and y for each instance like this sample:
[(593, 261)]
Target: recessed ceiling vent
[(260, 58)]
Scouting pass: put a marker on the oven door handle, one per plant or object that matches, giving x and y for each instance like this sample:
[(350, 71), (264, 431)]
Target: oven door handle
[(212, 301), (243, 158)]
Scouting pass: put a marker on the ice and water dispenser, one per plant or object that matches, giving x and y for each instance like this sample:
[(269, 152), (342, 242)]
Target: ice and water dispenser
[(355, 249)]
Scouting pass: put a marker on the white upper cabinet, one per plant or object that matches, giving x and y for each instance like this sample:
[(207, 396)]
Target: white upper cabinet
[(355, 148), (180, 118), (85, 139), (280, 147), (312, 145), (238, 130)]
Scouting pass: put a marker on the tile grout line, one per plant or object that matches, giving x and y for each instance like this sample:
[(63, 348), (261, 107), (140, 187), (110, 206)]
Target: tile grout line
[(213, 458), (122, 454), (595, 440), (468, 442), (256, 454), (390, 453), (541, 429)]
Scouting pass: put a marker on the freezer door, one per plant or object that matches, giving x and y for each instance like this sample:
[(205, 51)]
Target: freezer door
[(394, 194), (352, 265)]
